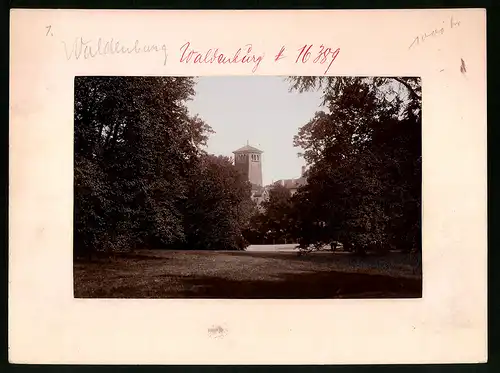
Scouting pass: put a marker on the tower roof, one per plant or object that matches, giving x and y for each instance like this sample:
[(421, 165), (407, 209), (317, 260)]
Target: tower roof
[(248, 149)]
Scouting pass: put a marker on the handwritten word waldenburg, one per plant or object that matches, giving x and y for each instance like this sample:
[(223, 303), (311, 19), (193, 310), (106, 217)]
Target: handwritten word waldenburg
[(242, 55), (81, 48)]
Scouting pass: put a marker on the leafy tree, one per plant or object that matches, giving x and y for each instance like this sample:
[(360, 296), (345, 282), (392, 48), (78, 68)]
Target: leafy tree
[(134, 147), (219, 207), (276, 215), (364, 154), (256, 230)]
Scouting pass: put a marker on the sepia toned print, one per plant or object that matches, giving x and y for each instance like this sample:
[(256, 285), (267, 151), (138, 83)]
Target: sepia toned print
[(93, 308), (161, 211)]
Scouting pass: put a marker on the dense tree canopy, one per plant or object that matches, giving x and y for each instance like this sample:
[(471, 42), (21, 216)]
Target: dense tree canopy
[(277, 212), (142, 178), (364, 153), (138, 164), (218, 207)]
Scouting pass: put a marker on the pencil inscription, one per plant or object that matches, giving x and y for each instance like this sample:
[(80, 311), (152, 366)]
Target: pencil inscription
[(86, 49), (438, 31)]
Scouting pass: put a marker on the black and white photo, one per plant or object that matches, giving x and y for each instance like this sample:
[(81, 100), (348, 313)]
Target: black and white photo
[(247, 187)]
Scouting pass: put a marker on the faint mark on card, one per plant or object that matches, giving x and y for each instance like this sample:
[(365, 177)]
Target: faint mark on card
[(24, 109), (217, 331), (463, 69), (40, 231)]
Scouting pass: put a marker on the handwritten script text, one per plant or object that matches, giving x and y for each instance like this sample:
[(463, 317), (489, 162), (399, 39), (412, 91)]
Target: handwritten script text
[(434, 33), (242, 55), (81, 48)]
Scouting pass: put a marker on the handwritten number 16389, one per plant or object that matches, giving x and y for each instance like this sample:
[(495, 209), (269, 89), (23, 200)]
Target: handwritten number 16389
[(323, 56)]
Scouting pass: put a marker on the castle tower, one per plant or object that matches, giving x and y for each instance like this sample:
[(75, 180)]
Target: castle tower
[(249, 160)]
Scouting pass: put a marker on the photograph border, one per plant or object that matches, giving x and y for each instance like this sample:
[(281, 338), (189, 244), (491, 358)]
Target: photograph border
[(491, 133)]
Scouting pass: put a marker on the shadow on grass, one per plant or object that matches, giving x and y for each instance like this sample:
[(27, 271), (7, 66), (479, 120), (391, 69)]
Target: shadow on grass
[(317, 285), (193, 275)]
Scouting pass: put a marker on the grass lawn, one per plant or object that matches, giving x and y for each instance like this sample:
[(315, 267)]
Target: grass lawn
[(208, 274)]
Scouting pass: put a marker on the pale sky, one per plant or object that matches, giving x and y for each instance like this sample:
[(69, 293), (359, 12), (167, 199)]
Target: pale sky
[(259, 109)]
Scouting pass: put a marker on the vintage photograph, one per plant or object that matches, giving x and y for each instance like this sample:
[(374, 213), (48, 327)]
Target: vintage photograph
[(247, 187)]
